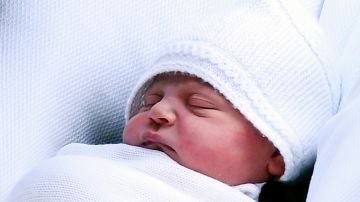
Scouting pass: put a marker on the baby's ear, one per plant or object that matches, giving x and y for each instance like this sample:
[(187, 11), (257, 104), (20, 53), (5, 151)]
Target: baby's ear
[(276, 165)]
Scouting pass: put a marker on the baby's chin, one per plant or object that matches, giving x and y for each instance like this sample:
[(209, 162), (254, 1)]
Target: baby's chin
[(169, 151)]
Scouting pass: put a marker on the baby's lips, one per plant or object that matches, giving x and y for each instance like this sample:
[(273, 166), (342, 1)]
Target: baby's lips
[(151, 145), (158, 146)]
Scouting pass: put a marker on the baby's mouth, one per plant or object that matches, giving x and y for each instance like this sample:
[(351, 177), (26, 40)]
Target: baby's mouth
[(158, 146), (151, 145)]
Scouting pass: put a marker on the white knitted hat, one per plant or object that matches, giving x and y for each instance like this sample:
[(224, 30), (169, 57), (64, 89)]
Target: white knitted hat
[(269, 59)]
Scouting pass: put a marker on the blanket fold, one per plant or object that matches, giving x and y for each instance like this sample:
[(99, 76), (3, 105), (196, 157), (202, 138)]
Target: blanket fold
[(118, 172)]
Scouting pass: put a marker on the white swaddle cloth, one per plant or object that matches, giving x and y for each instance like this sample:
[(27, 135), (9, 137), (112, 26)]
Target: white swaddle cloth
[(118, 172)]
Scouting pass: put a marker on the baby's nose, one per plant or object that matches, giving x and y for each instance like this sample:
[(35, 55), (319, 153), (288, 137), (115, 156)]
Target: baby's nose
[(163, 112)]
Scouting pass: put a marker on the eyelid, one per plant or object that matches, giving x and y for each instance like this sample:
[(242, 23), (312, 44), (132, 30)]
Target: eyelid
[(196, 101), (149, 100)]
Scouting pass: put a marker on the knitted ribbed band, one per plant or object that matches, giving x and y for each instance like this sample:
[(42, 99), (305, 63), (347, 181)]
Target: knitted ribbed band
[(273, 70)]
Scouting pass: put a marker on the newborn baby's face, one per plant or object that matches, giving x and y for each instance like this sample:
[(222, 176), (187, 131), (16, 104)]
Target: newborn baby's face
[(198, 128)]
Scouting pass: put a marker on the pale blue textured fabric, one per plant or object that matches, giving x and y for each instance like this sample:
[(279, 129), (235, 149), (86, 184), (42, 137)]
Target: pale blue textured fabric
[(336, 176), (67, 66)]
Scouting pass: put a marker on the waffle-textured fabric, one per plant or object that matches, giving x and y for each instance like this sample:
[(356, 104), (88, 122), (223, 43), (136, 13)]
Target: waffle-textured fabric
[(67, 67), (340, 21), (270, 60), (118, 172)]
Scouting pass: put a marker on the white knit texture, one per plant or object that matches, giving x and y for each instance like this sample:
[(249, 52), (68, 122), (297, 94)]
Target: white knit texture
[(314, 7), (118, 172), (341, 21), (67, 67), (270, 59)]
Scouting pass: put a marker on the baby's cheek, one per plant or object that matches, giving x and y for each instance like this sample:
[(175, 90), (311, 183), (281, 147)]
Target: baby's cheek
[(126, 136), (130, 133)]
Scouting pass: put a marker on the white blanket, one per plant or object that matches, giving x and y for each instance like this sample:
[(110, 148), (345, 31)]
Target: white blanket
[(118, 172)]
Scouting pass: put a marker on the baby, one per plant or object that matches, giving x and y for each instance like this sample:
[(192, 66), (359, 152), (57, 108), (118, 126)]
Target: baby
[(238, 100), (239, 125), (197, 127)]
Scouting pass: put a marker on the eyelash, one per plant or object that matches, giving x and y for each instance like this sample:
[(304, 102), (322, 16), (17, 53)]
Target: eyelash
[(192, 106), (199, 107), (199, 103), (146, 106)]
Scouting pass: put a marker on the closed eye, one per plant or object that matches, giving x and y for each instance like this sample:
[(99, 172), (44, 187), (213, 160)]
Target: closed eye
[(150, 100), (200, 103)]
